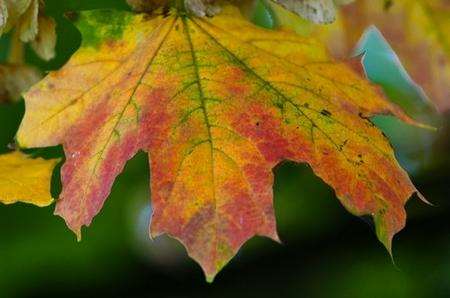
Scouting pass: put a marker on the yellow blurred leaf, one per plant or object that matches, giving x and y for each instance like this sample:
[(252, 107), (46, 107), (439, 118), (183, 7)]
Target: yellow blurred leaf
[(31, 25), (26, 180), (28, 22), (45, 42), (13, 10)]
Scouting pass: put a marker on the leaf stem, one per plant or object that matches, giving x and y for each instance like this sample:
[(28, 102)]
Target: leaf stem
[(16, 51), (179, 6)]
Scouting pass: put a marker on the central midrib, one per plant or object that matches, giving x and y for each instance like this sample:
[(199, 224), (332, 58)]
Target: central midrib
[(206, 118)]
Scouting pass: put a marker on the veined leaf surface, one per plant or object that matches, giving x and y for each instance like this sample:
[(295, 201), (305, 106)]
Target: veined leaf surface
[(216, 103), (26, 180)]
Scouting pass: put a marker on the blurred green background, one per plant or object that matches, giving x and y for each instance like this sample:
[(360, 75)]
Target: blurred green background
[(326, 252)]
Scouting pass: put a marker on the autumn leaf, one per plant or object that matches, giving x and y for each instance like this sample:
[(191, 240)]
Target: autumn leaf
[(419, 32), (45, 41), (16, 77), (26, 180), (22, 14), (10, 12), (217, 103), (28, 19), (27, 24)]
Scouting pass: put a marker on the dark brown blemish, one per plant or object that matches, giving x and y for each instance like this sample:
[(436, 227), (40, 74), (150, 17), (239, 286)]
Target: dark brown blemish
[(325, 113), (341, 147), (387, 5)]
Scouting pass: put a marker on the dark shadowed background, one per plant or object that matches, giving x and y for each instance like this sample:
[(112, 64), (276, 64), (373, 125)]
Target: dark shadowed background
[(326, 251)]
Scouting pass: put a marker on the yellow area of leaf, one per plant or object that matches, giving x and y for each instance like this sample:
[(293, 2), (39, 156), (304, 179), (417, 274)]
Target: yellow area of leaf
[(217, 103), (27, 180)]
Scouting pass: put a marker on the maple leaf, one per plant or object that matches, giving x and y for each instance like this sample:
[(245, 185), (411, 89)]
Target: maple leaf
[(216, 103), (26, 180), (418, 32)]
